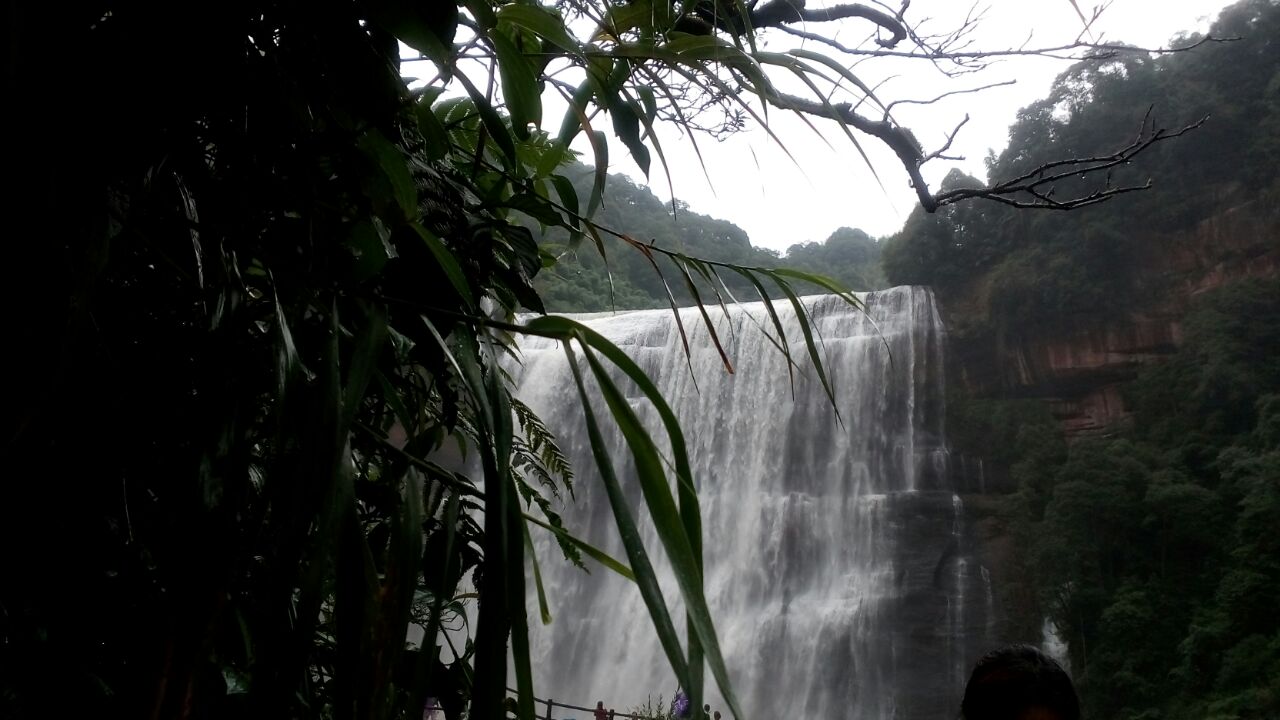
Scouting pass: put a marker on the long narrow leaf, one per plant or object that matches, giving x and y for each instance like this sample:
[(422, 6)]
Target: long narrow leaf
[(492, 122), (782, 343), (701, 632), (645, 578), (590, 550), (519, 85), (675, 310), (685, 566), (543, 22), (802, 317), (824, 282), (706, 319), (543, 609), (448, 263)]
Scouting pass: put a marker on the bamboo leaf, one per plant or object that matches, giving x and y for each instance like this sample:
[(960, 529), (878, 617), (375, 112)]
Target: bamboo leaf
[(434, 135), (587, 548), (803, 319), (671, 299), (824, 282), (626, 125), (568, 198), (706, 319), (364, 355), (543, 609), (701, 633), (543, 22), (493, 123), (519, 85), (782, 343), (575, 118), (482, 11), (448, 263), (668, 521), (839, 68), (552, 157), (674, 104), (425, 669), (654, 16), (288, 363), (599, 146), (500, 614), (392, 163), (650, 111), (646, 579)]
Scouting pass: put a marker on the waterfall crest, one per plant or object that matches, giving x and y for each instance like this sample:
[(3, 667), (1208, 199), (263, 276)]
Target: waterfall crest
[(836, 565)]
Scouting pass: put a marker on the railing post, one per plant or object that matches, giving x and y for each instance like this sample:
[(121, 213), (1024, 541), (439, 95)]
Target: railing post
[(550, 702)]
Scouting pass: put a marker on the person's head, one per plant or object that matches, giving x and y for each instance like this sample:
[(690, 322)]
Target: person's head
[(1018, 682)]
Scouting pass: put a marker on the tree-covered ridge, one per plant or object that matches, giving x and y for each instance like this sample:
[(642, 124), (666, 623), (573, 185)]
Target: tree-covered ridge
[(584, 280), (1156, 552), (1044, 266), (1154, 549)]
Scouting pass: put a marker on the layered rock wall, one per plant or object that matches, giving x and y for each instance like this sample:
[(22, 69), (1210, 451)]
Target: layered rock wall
[(1080, 366)]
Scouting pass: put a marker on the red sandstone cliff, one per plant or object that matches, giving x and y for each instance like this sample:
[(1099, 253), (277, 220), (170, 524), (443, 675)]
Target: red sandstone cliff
[(1080, 366)]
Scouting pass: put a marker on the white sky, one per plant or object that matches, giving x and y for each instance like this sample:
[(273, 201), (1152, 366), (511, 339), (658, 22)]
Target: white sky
[(756, 186)]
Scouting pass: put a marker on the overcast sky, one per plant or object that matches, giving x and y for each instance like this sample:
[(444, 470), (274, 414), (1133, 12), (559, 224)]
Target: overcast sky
[(780, 202)]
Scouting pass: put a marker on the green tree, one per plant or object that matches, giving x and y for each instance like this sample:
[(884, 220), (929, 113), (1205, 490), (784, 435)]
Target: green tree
[(1155, 552), (849, 255)]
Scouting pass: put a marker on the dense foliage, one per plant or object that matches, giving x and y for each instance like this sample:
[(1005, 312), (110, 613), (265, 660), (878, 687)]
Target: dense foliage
[(1156, 552), (270, 319), (262, 457), (1052, 266)]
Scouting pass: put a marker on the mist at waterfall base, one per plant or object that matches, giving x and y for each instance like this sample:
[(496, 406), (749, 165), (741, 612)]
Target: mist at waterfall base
[(837, 567)]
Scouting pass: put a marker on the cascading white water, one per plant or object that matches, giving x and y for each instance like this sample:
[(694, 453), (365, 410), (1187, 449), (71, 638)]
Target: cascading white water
[(835, 562)]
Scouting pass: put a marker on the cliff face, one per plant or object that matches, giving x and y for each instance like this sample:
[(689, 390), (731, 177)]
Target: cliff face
[(1080, 366), (1080, 369)]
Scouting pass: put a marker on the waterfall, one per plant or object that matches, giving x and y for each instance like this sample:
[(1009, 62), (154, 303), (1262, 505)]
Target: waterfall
[(836, 562)]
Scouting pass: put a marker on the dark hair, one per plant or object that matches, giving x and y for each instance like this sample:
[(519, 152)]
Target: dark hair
[(1008, 682)]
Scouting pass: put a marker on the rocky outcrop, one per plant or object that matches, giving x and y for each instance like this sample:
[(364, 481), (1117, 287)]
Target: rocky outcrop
[(1080, 366)]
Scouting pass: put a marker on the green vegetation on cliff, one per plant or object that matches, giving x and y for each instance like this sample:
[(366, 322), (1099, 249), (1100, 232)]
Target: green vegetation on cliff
[(1156, 552), (1050, 266)]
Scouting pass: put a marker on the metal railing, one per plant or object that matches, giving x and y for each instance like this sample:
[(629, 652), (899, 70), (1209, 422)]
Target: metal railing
[(552, 704)]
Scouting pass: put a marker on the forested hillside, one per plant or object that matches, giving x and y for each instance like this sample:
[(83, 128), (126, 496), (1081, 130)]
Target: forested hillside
[(1152, 540), (1051, 265), (580, 281)]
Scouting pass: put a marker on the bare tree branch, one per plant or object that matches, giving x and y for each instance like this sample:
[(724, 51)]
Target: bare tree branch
[(950, 139), (1038, 182), (1035, 181), (954, 52), (780, 12), (964, 91)]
